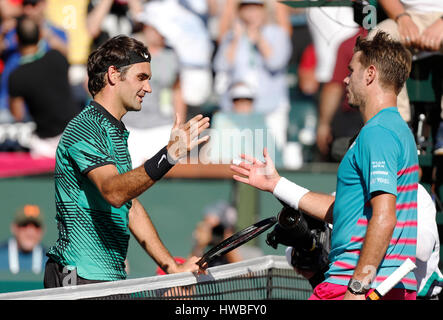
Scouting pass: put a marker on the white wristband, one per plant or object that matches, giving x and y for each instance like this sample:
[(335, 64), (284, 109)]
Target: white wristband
[(289, 192)]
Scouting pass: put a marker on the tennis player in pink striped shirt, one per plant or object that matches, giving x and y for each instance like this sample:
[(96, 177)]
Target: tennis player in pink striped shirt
[(374, 211)]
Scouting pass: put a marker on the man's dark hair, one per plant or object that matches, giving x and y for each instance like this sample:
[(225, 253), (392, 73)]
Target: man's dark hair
[(390, 57), (119, 52), (28, 32)]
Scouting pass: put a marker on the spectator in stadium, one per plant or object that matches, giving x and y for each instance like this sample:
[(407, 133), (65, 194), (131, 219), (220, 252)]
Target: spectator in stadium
[(257, 52), (43, 87), (337, 121), (329, 27), (183, 25), (154, 121), (217, 224), (227, 13), (9, 11), (109, 18), (96, 186), (418, 24), (240, 127), (23, 252), (52, 38), (376, 182)]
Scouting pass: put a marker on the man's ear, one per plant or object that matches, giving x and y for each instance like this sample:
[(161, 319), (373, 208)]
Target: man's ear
[(113, 75), (371, 73)]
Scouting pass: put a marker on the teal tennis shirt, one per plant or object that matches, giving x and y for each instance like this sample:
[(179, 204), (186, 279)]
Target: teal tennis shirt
[(93, 236), (382, 158)]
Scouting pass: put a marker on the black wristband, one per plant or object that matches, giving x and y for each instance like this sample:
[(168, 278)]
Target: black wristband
[(159, 165)]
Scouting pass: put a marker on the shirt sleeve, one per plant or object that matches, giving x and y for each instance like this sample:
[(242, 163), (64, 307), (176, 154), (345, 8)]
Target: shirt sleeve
[(378, 154), (90, 154)]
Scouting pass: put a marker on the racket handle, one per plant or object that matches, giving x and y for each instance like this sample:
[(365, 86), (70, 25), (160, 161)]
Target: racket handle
[(374, 295), (392, 280)]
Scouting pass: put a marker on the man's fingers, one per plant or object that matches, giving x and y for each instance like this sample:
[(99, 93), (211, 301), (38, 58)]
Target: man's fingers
[(195, 143), (245, 165), (176, 121), (192, 122), (202, 125), (240, 170), (240, 179), (268, 159), (249, 158)]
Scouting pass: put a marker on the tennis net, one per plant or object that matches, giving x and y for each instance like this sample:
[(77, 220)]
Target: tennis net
[(263, 278)]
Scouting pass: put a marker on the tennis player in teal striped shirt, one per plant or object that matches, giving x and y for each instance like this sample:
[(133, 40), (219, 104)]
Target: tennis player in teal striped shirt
[(374, 211), (96, 187)]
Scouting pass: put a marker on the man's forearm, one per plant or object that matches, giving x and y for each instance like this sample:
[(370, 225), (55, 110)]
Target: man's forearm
[(392, 7), (141, 226), (121, 188), (378, 236), (317, 205), (330, 99)]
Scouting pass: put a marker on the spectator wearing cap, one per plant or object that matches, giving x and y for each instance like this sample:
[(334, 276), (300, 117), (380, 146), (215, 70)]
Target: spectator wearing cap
[(240, 129), (257, 52), (23, 252), (242, 97)]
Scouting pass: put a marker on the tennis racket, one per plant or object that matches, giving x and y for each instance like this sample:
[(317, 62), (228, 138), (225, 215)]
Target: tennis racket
[(235, 241), (392, 280)]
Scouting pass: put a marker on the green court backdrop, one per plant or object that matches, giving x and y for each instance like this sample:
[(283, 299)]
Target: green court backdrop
[(175, 206)]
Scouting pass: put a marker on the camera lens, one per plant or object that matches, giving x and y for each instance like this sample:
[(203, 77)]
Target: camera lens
[(288, 218)]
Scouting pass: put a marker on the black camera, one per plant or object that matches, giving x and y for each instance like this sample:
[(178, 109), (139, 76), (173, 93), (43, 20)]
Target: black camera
[(309, 237)]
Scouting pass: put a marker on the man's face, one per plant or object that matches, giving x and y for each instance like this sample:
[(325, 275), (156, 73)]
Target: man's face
[(27, 235), (243, 105), (134, 85), (36, 11), (355, 82), (252, 14)]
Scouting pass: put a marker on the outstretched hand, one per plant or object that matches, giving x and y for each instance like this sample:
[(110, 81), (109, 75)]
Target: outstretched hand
[(261, 175), (184, 136)]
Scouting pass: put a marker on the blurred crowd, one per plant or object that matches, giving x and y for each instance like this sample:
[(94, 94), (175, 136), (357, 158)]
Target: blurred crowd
[(234, 60), (255, 65), (273, 70)]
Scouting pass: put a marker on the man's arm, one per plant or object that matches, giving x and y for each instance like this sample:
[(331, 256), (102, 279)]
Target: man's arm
[(17, 108), (378, 236), (318, 205), (118, 189), (264, 176), (408, 30), (142, 228), (330, 99)]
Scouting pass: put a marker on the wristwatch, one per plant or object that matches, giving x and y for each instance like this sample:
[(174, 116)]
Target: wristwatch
[(357, 287)]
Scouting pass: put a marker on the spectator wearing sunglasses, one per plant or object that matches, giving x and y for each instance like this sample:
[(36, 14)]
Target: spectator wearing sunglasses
[(23, 252)]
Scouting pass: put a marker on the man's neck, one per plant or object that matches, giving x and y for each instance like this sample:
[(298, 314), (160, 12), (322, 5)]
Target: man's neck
[(106, 101), (377, 102), (29, 50)]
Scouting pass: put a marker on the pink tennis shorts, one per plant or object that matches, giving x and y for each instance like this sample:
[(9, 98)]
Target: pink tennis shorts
[(331, 291)]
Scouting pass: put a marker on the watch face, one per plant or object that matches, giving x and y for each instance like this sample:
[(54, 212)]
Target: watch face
[(356, 285)]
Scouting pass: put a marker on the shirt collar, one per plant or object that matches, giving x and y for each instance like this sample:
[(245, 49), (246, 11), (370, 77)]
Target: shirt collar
[(108, 115)]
